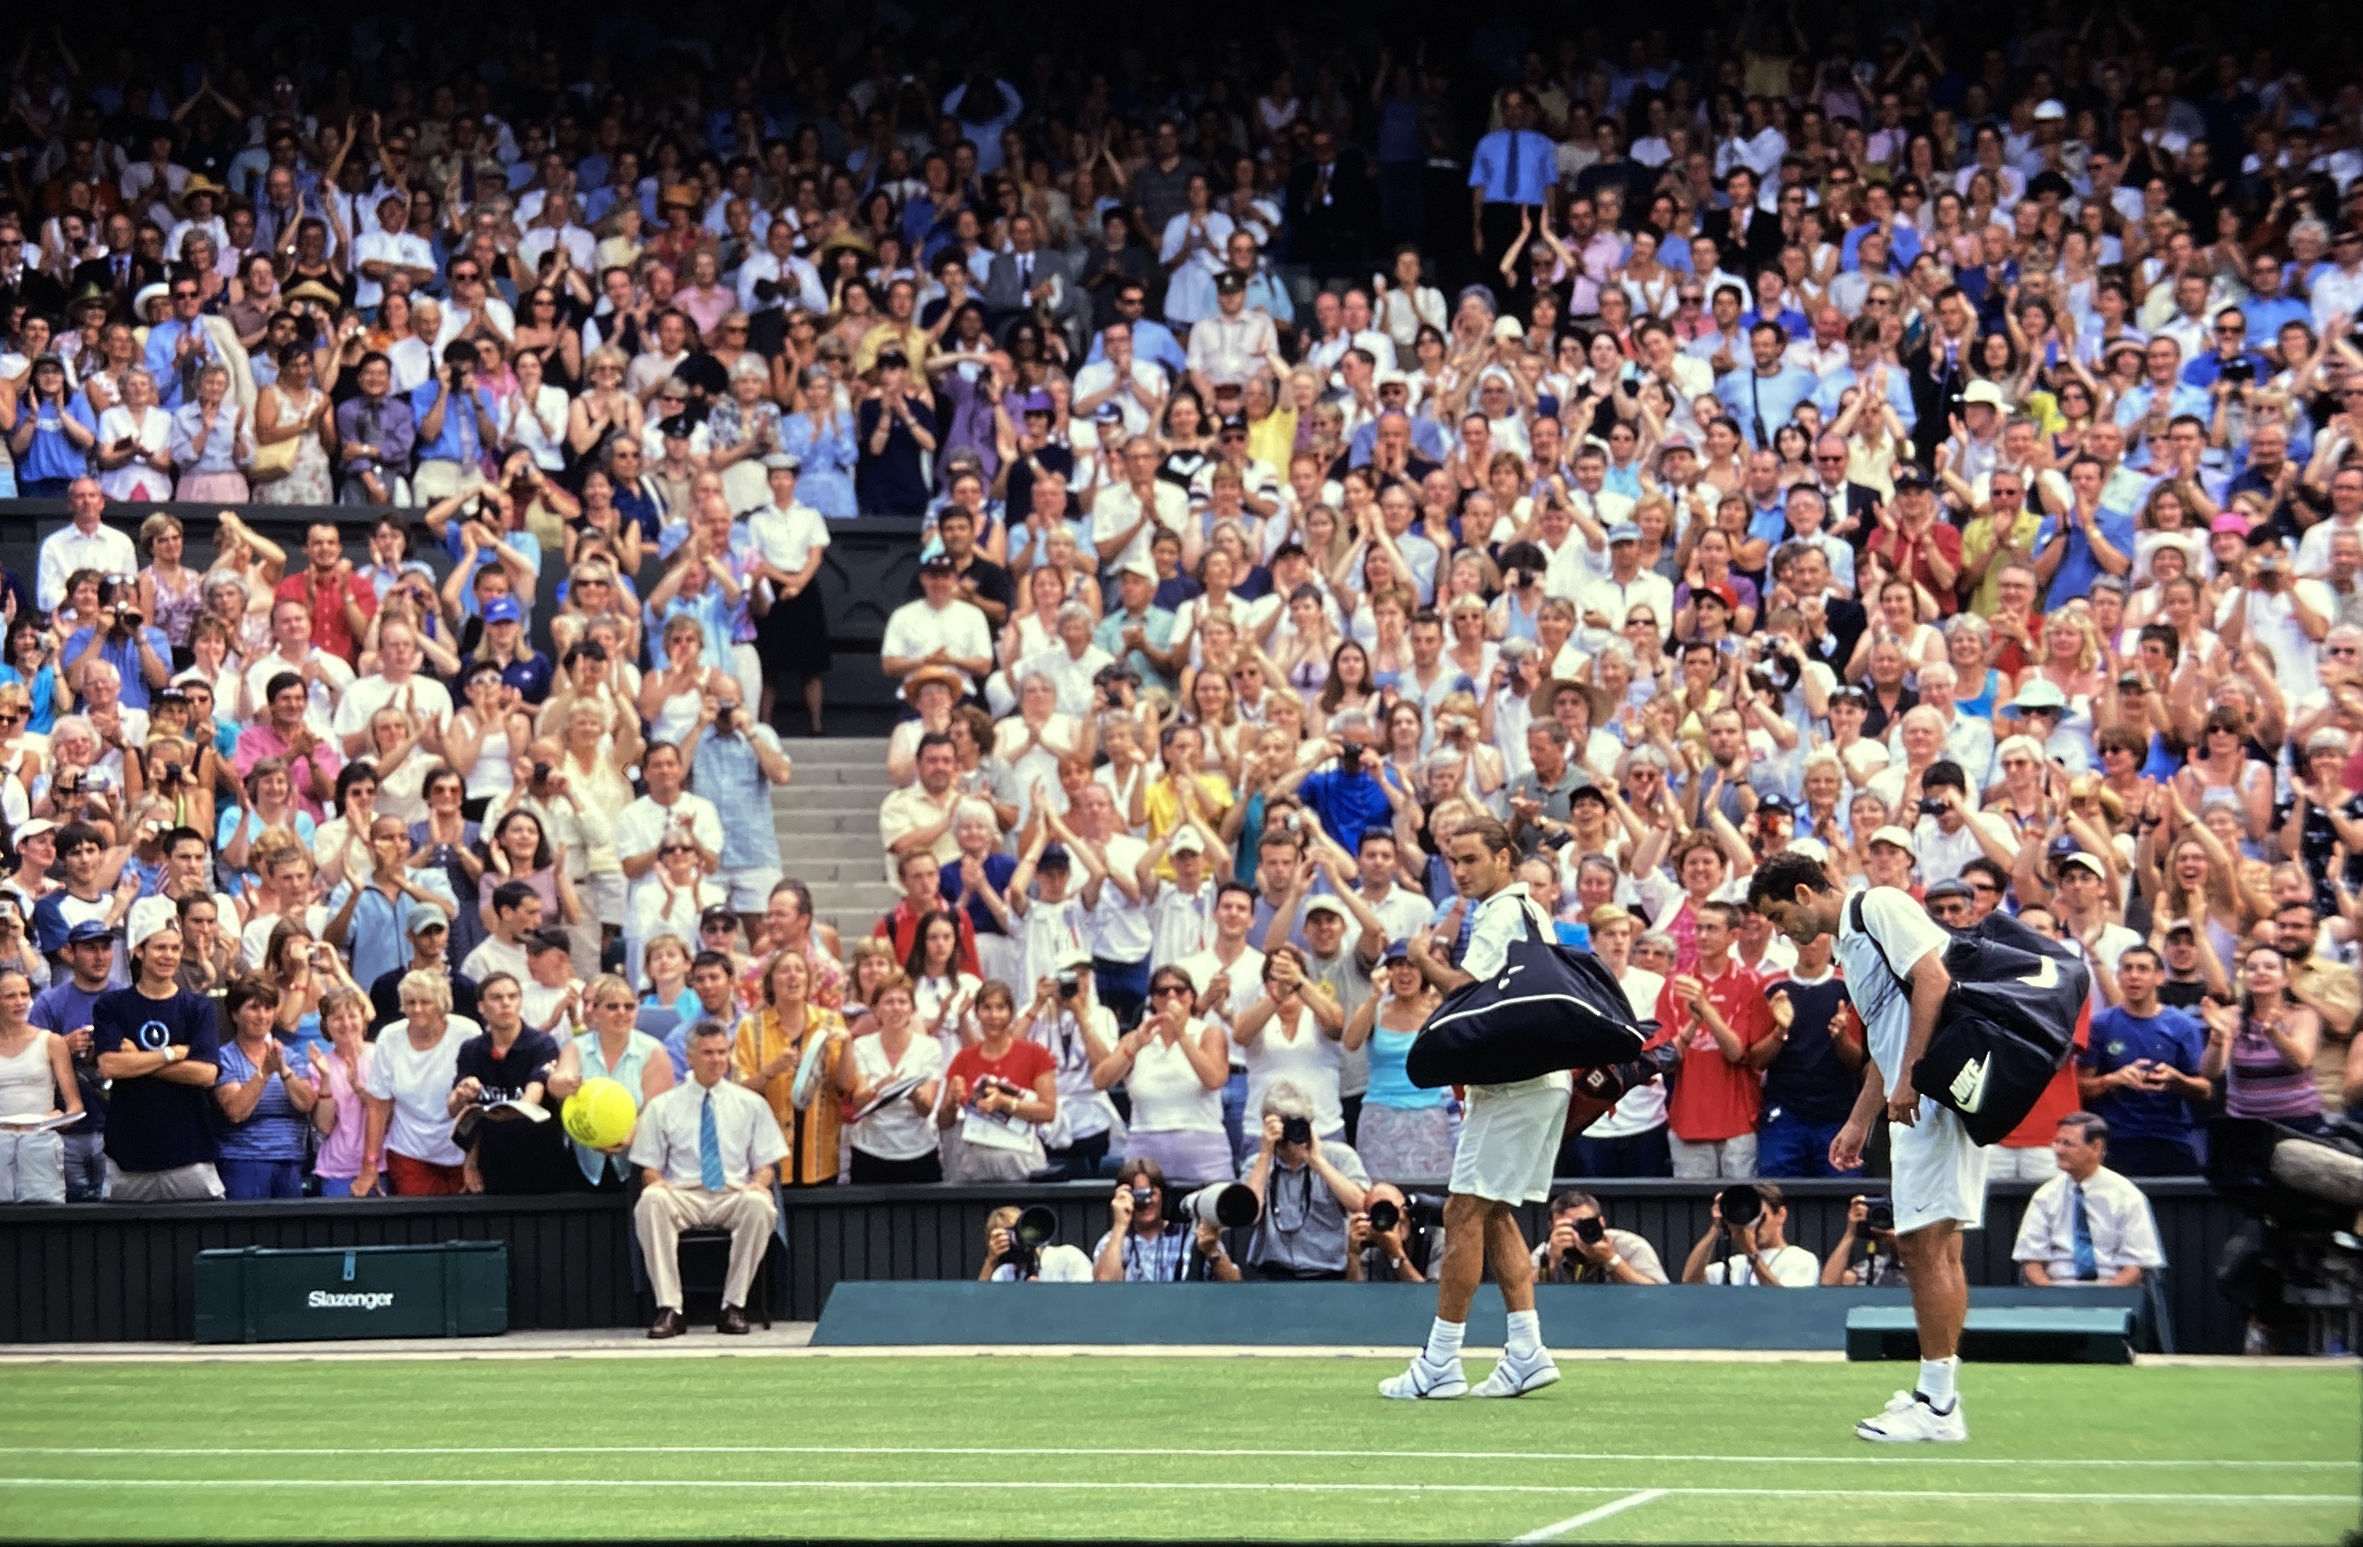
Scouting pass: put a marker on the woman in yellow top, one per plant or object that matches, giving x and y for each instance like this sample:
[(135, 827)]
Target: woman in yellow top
[(787, 1053), (1207, 794)]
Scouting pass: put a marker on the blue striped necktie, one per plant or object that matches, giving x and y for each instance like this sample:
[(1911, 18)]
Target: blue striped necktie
[(2080, 1237), (709, 1146)]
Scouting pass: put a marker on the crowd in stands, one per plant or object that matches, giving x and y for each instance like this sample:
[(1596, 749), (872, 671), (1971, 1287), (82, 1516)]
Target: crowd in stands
[(1938, 452)]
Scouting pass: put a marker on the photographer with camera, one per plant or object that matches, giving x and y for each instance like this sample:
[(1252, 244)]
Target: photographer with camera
[(1745, 1242), (1396, 1237), (1308, 1187), (1021, 1247), (1145, 1245), (1870, 1221), (456, 421), (118, 637), (1583, 1248)]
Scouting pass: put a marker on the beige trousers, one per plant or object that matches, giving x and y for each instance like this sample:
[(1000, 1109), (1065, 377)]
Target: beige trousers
[(664, 1212)]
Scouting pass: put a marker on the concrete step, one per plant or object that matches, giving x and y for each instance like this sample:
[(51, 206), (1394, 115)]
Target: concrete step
[(806, 850), (796, 824), (837, 753), (832, 797)]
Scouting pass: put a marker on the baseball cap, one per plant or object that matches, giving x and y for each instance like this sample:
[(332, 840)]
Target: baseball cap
[(1315, 905), (2049, 110), (1946, 889), (2091, 862), (783, 461), (504, 609), (1039, 403), (1812, 848), (423, 920), (1394, 951), (1623, 532), (1984, 392), (35, 829), (1054, 857), (148, 916), (1140, 567), (1895, 835), (1909, 477), (1070, 959), (1777, 804), (1186, 841), (1229, 282), (87, 930)]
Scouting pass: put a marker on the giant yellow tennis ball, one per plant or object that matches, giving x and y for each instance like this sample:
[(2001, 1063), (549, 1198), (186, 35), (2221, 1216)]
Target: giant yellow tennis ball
[(600, 1115)]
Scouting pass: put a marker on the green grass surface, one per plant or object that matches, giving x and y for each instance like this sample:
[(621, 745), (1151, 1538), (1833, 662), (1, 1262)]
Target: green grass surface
[(1096, 1448)]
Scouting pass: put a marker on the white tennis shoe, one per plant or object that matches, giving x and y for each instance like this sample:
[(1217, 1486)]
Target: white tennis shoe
[(1426, 1382), (1908, 1419), (1514, 1377)]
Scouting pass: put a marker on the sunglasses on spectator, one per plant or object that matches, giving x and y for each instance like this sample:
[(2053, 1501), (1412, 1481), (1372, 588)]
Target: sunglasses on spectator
[(1829, 456), (1167, 991)]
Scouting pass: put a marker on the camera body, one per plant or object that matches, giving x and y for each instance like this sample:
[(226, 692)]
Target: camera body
[(1879, 1213), (1930, 806), (1590, 1230), (1418, 1210), (1296, 1130), (2238, 370), (1069, 985)]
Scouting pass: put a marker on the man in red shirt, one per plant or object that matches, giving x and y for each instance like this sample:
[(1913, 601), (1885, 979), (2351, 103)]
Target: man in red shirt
[(923, 895), (342, 602), (1716, 1013)]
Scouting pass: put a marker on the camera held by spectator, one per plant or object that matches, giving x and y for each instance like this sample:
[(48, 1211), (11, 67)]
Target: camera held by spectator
[(1307, 1188), (1396, 1236), (1748, 1219)]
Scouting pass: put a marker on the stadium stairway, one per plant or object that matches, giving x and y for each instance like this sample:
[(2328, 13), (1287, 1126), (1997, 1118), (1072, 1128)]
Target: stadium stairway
[(827, 818)]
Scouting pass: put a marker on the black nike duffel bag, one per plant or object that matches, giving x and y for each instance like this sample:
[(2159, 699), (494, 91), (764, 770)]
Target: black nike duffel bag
[(1551, 1007)]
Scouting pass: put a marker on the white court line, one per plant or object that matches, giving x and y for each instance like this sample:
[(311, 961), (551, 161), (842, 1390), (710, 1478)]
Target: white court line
[(901, 1484), (1875, 1458), (1559, 1528)]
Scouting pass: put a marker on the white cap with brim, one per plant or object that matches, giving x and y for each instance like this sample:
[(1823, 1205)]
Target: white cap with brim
[(148, 916), (1315, 905), (1895, 835)]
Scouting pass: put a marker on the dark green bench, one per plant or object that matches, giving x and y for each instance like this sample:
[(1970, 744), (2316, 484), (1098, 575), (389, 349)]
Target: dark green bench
[(2023, 1334)]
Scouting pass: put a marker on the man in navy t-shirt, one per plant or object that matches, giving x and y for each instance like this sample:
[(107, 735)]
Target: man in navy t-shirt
[(498, 1074), (158, 1043), (1815, 1068), (65, 1008), (2141, 1073)]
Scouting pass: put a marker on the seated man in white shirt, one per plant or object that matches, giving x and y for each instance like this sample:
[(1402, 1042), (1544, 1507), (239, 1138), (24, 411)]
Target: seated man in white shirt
[(2087, 1226), (707, 1150)]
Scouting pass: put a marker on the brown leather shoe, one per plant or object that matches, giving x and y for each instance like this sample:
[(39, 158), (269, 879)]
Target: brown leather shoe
[(668, 1324), (732, 1320)]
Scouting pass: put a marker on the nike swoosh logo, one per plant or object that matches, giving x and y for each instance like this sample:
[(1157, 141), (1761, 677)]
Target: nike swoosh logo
[(2045, 976)]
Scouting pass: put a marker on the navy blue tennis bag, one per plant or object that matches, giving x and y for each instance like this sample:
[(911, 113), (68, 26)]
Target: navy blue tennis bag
[(2007, 1025), (1551, 1007)]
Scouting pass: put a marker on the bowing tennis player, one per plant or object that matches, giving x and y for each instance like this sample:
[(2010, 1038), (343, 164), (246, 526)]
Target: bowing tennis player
[(1508, 1137), (1894, 958)]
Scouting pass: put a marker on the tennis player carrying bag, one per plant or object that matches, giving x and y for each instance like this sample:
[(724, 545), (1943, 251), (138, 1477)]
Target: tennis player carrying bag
[(1549, 1008), (2008, 1021)]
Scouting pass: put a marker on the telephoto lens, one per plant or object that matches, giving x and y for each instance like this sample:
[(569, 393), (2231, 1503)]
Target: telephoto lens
[(1384, 1215), (1741, 1205)]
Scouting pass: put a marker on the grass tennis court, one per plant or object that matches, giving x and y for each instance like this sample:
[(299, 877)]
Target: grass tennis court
[(1091, 1448)]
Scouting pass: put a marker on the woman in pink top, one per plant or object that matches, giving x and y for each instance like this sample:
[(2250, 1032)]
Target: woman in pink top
[(342, 1070)]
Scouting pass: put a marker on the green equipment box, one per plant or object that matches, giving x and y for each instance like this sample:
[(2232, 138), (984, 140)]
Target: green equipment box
[(262, 1295)]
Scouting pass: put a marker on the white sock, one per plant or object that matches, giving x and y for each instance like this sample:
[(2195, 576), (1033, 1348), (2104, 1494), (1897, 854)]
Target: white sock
[(1526, 1335), (1444, 1341), (1936, 1382)]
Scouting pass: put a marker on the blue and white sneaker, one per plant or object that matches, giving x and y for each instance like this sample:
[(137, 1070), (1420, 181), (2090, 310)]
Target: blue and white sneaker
[(1909, 1419), (1426, 1382), (1515, 1376)]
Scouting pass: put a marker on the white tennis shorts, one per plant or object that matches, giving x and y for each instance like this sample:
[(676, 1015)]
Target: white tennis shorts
[(1509, 1139), (1939, 1172)]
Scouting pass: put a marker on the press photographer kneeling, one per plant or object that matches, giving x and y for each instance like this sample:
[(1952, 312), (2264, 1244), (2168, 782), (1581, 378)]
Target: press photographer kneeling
[(1871, 1223), (1584, 1249), (1145, 1246), (1749, 1219), (1397, 1237), (1307, 1188)]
